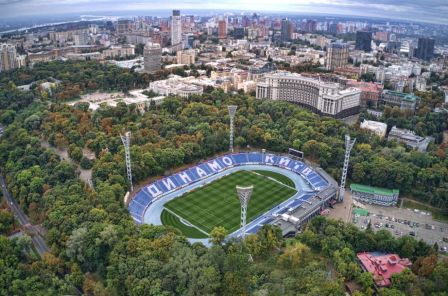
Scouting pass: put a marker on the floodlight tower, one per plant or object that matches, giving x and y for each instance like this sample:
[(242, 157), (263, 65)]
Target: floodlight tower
[(348, 148), (126, 139), (232, 111), (244, 194)]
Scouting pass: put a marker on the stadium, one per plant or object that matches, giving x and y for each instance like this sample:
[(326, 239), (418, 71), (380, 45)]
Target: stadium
[(287, 192)]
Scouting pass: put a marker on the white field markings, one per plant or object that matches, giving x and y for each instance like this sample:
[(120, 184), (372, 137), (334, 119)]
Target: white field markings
[(181, 218), (272, 179), (219, 221)]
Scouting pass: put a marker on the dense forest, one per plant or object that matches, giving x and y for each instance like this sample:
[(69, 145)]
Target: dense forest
[(95, 246)]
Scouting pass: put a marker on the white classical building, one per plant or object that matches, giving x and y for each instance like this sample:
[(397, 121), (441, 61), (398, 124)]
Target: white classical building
[(324, 98), (376, 127), (175, 85)]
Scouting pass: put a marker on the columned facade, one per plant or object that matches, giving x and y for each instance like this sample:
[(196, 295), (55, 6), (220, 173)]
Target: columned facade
[(320, 97)]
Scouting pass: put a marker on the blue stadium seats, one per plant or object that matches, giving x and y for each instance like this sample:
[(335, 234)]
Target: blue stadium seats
[(255, 157), (160, 187), (142, 198), (239, 158), (282, 211)]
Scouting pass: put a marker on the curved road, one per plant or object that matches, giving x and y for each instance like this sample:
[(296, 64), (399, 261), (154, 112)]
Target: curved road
[(38, 241)]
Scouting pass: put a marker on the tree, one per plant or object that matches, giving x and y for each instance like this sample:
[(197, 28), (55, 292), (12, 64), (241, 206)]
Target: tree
[(6, 222), (217, 235)]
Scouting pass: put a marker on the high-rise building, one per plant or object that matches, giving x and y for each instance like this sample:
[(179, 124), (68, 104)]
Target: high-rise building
[(310, 26), (222, 29), (176, 28), (123, 26), (337, 56), (81, 38), (238, 33), (285, 31), (152, 55), (364, 40), (425, 49), (8, 56)]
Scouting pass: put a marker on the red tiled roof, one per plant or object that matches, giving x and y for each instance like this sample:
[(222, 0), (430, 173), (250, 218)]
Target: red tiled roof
[(382, 267), (366, 86)]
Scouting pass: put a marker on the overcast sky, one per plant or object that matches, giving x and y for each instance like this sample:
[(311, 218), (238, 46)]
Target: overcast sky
[(435, 11)]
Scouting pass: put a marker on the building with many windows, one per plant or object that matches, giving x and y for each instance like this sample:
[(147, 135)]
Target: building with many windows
[(374, 195), (119, 51), (7, 57), (324, 98), (403, 100), (186, 57), (176, 28), (370, 92), (222, 28), (337, 56), (425, 49), (285, 33), (364, 40), (152, 54)]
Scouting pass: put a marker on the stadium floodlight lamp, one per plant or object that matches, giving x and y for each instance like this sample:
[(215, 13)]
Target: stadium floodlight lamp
[(244, 194), (126, 139), (232, 112), (349, 143)]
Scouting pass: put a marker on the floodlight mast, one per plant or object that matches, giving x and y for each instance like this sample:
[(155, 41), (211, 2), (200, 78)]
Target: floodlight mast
[(348, 148), (244, 194), (232, 111), (126, 139)]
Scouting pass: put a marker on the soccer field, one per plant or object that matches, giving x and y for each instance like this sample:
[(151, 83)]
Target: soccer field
[(217, 203)]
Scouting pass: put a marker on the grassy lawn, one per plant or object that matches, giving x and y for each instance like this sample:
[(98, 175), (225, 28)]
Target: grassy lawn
[(279, 177), (217, 204), (170, 219), (436, 214)]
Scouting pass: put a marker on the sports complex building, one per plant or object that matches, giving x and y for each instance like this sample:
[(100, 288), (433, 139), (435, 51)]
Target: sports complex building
[(375, 195), (287, 193)]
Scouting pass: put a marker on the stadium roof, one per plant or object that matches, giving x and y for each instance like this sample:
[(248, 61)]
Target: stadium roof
[(374, 190)]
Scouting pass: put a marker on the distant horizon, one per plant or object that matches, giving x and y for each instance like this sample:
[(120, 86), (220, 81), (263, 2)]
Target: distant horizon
[(410, 11), (74, 17)]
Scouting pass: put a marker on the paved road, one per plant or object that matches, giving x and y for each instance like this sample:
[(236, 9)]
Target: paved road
[(38, 242)]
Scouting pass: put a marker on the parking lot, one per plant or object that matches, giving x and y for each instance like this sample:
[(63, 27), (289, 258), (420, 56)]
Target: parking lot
[(400, 221)]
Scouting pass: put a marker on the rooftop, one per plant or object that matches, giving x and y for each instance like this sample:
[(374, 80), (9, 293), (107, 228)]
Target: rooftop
[(374, 190), (382, 266)]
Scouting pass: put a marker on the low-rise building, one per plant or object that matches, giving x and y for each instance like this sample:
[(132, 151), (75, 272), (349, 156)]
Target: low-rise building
[(374, 195), (409, 138), (370, 92), (382, 266), (175, 86), (119, 51), (403, 100), (186, 57), (379, 128)]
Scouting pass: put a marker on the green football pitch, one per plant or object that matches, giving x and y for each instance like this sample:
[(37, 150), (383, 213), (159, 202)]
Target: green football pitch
[(217, 203)]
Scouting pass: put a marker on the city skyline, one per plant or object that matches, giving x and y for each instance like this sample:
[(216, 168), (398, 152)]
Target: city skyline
[(433, 11)]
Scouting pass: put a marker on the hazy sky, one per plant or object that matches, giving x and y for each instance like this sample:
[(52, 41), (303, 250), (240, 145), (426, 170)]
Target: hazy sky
[(435, 11)]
